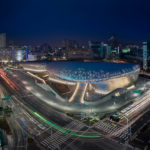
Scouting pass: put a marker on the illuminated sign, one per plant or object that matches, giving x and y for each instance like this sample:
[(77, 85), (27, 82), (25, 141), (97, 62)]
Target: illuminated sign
[(126, 50), (19, 55)]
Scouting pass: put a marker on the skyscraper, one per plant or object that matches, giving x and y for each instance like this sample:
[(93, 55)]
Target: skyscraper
[(27, 52), (2, 40), (113, 42), (146, 53), (13, 52), (100, 49), (108, 51), (97, 49)]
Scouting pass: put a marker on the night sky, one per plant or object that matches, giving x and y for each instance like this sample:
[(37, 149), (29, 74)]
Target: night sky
[(54, 20)]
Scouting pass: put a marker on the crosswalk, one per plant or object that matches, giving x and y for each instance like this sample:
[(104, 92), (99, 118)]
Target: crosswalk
[(48, 137), (106, 127), (110, 130), (55, 140)]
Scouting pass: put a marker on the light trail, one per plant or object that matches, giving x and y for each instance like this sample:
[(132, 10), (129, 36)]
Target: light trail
[(57, 127), (124, 111), (24, 82), (125, 127), (133, 112), (138, 107), (28, 88), (74, 93), (7, 80), (74, 133), (143, 101)]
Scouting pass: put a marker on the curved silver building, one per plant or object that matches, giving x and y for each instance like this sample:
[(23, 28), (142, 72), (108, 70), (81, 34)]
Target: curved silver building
[(90, 86)]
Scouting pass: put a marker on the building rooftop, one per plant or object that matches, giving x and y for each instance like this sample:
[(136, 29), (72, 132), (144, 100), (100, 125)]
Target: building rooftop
[(85, 71)]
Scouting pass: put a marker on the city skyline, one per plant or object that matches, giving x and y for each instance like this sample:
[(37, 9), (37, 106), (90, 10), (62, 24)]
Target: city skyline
[(74, 75)]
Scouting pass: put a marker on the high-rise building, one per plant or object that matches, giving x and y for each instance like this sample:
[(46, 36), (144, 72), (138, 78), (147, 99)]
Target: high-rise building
[(113, 42), (146, 54), (2, 40), (27, 52), (13, 53), (97, 48), (108, 51), (100, 49)]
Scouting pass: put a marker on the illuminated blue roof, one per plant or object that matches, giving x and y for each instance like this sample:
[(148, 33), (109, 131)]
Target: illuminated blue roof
[(85, 71)]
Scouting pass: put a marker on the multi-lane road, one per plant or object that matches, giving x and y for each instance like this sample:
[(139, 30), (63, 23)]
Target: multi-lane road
[(50, 128)]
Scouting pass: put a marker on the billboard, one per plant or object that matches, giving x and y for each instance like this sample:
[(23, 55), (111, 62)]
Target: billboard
[(19, 55)]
